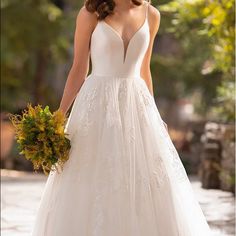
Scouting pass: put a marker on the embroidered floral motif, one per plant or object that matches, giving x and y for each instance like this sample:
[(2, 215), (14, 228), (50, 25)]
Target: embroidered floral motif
[(130, 134), (123, 89), (177, 165), (89, 98), (145, 94), (144, 100), (144, 181), (86, 119), (111, 109), (159, 172)]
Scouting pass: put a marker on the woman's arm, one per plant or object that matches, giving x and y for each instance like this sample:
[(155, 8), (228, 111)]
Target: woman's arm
[(154, 22), (85, 24)]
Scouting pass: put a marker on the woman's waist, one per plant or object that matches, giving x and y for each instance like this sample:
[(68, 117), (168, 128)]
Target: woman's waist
[(114, 75)]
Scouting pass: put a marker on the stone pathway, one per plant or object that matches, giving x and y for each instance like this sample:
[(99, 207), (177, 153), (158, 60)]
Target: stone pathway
[(218, 207), (21, 191)]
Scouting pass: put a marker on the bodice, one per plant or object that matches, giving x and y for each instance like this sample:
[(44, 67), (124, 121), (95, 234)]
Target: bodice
[(108, 54)]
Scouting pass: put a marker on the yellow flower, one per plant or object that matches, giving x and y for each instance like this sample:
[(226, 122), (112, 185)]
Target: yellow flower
[(41, 138)]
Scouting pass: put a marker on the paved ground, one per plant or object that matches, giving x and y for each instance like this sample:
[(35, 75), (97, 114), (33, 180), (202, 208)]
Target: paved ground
[(21, 192)]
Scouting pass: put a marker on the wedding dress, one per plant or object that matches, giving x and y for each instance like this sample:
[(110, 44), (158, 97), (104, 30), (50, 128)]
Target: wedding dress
[(124, 176)]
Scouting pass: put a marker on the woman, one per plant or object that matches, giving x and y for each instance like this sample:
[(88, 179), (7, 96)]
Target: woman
[(124, 176)]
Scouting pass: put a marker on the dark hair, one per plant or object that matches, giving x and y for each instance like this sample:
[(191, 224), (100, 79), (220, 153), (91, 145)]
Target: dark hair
[(103, 8)]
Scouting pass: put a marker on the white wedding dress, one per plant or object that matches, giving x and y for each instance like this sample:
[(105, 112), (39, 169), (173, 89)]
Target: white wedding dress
[(124, 176)]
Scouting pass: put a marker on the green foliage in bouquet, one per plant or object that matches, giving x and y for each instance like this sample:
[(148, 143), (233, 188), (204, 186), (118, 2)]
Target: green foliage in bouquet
[(41, 138)]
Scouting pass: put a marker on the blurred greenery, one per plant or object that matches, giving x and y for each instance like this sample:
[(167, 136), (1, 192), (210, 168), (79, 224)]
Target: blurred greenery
[(35, 36), (194, 59), (205, 62)]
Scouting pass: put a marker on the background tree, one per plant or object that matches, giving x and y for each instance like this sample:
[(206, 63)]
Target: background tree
[(204, 62), (36, 36)]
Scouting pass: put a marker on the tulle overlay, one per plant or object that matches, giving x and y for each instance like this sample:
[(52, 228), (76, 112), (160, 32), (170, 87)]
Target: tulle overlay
[(124, 176)]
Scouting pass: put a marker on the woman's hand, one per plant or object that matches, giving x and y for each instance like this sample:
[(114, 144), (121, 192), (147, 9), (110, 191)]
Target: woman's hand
[(62, 111)]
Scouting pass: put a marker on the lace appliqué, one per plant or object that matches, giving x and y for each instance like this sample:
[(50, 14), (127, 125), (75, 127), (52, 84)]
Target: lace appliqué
[(129, 135), (112, 116), (176, 163), (123, 89), (108, 181), (159, 173), (86, 119), (144, 100), (123, 96), (157, 176)]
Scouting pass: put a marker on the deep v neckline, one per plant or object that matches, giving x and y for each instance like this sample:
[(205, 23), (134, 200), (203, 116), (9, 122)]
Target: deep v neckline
[(125, 49)]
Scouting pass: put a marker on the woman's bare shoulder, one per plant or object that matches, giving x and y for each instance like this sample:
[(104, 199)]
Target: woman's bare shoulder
[(86, 18), (154, 18), (154, 13)]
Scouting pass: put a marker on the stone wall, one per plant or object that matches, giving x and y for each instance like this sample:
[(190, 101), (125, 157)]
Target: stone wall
[(195, 131), (217, 168), (227, 175)]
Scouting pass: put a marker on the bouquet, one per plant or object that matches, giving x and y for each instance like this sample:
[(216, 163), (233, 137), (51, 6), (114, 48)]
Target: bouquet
[(41, 138)]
